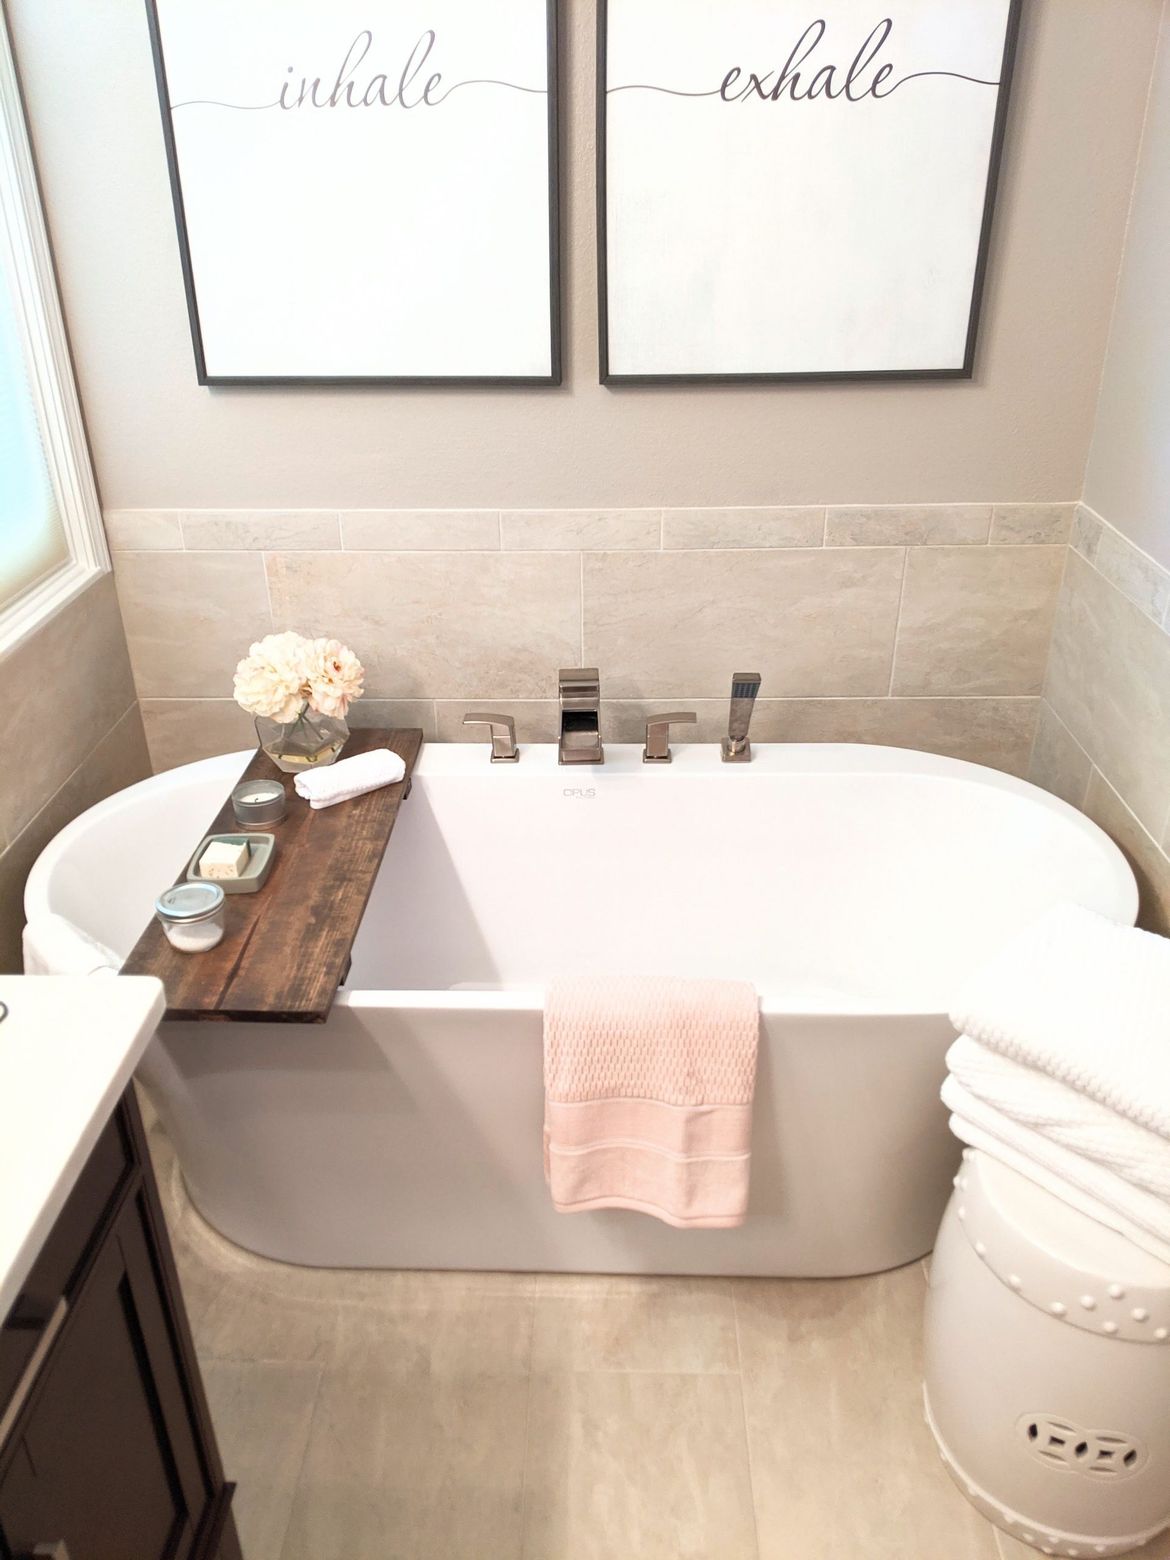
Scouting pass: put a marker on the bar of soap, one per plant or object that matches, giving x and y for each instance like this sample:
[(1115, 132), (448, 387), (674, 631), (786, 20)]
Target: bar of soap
[(224, 859)]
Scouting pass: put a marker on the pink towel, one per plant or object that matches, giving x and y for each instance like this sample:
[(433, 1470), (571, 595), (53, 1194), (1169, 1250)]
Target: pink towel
[(648, 1097)]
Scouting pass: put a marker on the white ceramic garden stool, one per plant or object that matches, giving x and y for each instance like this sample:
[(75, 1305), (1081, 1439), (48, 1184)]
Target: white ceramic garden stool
[(1048, 1367)]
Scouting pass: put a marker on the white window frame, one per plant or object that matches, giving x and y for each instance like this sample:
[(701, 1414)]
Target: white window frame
[(25, 251)]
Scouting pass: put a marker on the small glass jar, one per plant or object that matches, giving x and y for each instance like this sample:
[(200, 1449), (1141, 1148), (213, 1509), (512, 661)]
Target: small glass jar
[(192, 916), (257, 803)]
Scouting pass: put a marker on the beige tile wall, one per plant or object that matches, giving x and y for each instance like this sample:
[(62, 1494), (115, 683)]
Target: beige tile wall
[(920, 626), (1103, 733), (74, 736)]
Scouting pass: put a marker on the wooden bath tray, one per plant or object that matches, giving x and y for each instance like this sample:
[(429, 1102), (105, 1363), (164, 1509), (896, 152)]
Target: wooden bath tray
[(286, 949)]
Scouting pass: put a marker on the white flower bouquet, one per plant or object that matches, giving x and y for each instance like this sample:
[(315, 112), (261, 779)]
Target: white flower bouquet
[(299, 691)]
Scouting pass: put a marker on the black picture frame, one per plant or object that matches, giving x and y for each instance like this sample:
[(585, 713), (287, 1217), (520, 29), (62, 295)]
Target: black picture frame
[(552, 379), (966, 371)]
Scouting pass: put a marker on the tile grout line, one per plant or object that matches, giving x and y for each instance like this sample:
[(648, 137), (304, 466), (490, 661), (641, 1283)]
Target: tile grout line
[(284, 1537), (532, 1300), (898, 621), (1080, 747), (747, 1440)]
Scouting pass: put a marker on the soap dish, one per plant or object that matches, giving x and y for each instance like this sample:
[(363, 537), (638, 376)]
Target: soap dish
[(261, 852)]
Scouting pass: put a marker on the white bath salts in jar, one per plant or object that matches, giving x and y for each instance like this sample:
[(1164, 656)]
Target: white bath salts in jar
[(192, 916)]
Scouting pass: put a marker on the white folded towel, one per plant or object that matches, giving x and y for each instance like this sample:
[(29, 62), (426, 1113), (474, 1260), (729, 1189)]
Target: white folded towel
[(1055, 1111), (54, 946), (351, 777), (1086, 1002), (1097, 1192)]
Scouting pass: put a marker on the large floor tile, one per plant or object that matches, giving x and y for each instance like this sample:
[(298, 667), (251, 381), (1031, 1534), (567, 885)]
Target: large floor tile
[(410, 1465), (262, 1414), (842, 1463), (658, 1325), (439, 1329), (634, 1466)]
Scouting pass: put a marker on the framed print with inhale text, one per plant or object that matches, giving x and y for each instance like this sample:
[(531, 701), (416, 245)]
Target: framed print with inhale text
[(365, 190), (794, 192)]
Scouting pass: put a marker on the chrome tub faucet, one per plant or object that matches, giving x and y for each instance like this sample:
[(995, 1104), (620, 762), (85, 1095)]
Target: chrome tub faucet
[(737, 748), (503, 735), (580, 691)]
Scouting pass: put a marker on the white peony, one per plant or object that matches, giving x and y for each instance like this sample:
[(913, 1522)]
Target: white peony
[(272, 679), (335, 677)]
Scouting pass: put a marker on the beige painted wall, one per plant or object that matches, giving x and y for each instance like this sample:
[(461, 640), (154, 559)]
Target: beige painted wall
[(1128, 479), (1018, 432)]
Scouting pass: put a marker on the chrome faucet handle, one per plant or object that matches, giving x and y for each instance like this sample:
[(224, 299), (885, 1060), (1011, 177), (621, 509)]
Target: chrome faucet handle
[(736, 748), (503, 732), (657, 749)]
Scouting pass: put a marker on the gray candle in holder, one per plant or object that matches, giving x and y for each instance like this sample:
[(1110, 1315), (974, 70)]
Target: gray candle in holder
[(258, 803)]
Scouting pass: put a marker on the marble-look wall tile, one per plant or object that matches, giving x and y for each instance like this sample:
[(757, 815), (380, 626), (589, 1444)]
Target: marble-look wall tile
[(440, 625), (119, 759), (420, 530), (811, 622), (1135, 574), (191, 616), (577, 530), (1059, 763), (991, 731), (143, 530), (1086, 532), (1151, 866), (180, 731), (64, 688), (261, 530), (908, 525), (1109, 681), (1032, 524), (394, 713), (688, 528), (977, 620)]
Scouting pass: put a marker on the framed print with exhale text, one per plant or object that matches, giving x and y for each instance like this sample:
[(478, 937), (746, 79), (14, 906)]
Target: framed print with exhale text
[(797, 192), (365, 190)]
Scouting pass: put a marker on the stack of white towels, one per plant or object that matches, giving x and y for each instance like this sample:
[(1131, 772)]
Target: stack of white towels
[(1062, 1070)]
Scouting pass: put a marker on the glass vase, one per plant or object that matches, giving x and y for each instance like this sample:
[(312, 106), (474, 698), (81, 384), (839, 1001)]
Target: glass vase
[(310, 742)]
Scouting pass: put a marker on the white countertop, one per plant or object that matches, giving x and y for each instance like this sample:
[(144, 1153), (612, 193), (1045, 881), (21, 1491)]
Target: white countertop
[(67, 1050)]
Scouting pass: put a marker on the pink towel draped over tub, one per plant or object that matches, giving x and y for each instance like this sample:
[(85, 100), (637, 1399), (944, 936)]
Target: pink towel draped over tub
[(648, 1096)]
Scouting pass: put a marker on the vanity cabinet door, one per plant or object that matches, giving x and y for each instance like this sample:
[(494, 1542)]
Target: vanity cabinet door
[(106, 1459)]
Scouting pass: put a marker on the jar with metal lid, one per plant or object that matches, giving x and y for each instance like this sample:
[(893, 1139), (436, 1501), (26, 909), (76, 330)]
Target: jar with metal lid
[(192, 916)]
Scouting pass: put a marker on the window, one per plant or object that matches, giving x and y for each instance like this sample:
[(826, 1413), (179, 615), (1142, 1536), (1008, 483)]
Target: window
[(51, 541)]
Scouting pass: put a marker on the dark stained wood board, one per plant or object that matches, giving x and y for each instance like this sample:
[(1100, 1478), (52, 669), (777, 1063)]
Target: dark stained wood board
[(286, 949)]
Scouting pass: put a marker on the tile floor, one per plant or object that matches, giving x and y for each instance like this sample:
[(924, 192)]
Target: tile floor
[(444, 1416)]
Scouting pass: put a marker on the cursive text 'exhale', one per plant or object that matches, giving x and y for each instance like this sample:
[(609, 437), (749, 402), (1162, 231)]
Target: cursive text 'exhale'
[(801, 79)]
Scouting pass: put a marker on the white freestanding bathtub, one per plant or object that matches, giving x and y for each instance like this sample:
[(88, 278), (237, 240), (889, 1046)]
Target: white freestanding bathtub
[(855, 886)]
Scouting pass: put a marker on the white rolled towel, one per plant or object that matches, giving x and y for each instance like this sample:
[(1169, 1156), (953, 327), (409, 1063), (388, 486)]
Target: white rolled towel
[(351, 777), (54, 946)]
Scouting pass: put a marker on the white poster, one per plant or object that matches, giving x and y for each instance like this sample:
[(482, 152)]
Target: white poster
[(364, 189), (792, 189)]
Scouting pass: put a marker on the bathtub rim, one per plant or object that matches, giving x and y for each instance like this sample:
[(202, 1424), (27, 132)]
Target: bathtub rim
[(624, 760)]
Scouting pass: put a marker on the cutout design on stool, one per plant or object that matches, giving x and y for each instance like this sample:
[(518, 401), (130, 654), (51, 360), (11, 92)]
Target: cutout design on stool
[(1100, 1453)]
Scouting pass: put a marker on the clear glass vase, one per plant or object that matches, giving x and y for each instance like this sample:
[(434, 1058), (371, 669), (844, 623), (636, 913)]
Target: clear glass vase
[(310, 742)]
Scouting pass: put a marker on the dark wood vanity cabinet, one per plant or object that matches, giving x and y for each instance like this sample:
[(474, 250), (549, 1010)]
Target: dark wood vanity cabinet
[(106, 1446)]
